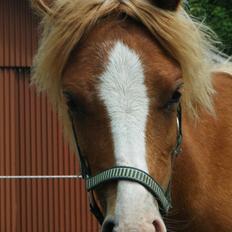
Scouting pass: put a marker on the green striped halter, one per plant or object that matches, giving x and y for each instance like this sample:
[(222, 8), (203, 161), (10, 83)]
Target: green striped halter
[(127, 173), (130, 174)]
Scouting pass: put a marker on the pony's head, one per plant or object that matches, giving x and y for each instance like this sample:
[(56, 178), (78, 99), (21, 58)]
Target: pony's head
[(120, 67)]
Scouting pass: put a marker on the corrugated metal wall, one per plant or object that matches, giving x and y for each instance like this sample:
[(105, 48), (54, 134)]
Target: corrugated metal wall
[(31, 141), (18, 37)]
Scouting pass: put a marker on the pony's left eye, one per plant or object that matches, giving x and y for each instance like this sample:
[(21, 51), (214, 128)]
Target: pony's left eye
[(174, 100), (175, 97)]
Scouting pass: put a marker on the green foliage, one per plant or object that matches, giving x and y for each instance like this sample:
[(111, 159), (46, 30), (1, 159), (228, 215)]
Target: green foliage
[(218, 15)]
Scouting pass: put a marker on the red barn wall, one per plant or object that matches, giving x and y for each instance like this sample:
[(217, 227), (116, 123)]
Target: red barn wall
[(31, 141)]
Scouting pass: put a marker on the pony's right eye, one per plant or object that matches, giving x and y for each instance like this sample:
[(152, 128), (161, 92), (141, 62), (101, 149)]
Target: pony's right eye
[(70, 101)]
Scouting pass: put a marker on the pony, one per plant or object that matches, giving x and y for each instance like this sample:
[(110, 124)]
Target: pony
[(119, 72)]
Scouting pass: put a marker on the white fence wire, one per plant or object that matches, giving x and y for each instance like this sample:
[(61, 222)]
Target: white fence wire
[(41, 177)]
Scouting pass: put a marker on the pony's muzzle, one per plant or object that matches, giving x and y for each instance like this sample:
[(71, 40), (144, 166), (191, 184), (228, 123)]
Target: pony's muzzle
[(110, 225)]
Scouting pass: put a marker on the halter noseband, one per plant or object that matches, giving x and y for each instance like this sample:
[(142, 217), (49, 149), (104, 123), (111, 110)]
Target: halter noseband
[(126, 173)]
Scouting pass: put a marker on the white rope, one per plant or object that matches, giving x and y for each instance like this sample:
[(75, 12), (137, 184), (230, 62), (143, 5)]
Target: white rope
[(41, 177)]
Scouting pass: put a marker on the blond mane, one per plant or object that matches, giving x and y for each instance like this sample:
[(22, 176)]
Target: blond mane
[(188, 41)]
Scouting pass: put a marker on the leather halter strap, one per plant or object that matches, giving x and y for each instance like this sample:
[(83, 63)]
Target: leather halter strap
[(177, 150), (126, 173), (134, 175)]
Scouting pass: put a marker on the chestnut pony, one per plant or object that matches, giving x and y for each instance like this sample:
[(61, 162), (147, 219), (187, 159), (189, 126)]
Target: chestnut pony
[(118, 71)]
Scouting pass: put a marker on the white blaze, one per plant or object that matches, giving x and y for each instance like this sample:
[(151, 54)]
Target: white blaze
[(124, 94)]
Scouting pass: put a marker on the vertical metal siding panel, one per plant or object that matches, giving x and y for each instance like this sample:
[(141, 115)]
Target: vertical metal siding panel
[(56, 171), (78, 198), (66, 188), (33, 155), (37, 152), (17, 154), (32, 136), (11, 35), (1, 33), (2, 152), (18, 158), (54, 205), (88, 215), (22, 153), (6, 38), (21, 49), (27, 33), (17, 43), (78, 206), (17, 182), (50, 170), (61, 182), (7, 150), (32, 38), (72, 192), (39, 163), (2, 28), (21, 150), (23, 29), (28, 150), (83, 209), (44, 163), (13, 147), (1, 138), (6, 33), (81, 205), (3, 183), (18, 49)]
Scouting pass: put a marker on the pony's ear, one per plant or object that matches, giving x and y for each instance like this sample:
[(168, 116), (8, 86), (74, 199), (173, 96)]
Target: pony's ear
[(42, 6), (167, 4)]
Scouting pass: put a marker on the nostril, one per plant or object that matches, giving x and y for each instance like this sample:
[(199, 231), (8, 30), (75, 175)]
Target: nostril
[(108, 225), (159, 226)]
